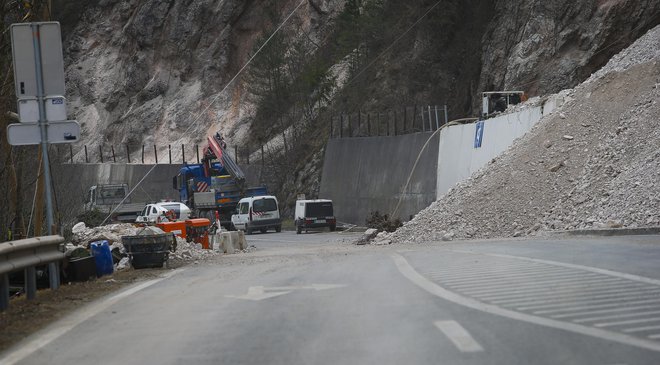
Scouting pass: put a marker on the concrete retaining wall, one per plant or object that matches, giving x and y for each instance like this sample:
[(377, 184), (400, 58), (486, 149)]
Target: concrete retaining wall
[(362, 175), (72, 181), (458, 158)]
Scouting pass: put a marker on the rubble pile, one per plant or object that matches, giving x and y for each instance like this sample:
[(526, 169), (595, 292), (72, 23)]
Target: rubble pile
[(190, 251), (594, 162), (83, 235)]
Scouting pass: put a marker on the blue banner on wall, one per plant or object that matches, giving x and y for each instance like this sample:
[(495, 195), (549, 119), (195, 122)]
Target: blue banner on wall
[(479, 134)]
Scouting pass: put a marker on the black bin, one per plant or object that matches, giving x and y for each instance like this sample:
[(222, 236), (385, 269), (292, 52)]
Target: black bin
[(148, 251), (81, 269)]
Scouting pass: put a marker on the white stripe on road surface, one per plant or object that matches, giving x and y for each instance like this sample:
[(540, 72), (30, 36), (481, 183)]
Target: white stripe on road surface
[(459, 336), (418, 279), (65, 325)]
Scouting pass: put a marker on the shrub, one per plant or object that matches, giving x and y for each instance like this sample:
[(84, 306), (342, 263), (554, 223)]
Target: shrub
[(383, 222)]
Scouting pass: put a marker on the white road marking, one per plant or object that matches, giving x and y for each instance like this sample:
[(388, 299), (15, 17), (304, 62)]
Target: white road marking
[(602, 311), (257, 293), (604, 303), (572, 302), (653, 337), (554, 295), (588, 306), (553, 277), (571, 266), (630, 321), (61, 327), (459, 336), (642, 329), (411, 274), (615, 316), (536, 287)]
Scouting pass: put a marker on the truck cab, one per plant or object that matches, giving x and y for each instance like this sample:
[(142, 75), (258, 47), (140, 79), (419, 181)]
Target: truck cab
[(105, 195)]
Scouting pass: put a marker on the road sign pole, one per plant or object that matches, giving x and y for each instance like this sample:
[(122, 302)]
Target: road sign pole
[(43, 126)]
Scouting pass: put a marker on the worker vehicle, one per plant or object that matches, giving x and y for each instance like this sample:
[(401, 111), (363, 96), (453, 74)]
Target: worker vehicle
[(257, 213), (163, 212), (212, 186), (316, 213), (105, 199)]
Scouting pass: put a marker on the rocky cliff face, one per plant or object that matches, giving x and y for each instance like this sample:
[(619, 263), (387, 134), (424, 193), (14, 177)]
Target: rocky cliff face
[(546, 46), (158, 71)]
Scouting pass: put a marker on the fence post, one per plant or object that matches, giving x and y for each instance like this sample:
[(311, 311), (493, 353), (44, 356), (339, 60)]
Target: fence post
[(430, 119), (31, 282), (128, 154), (369, 124), (169, 150), (114, 158), (101, 153), (446, 117), (156, 154), (4, 291), (394, 121), (437, 122), (183, 153), (421, 113), (378, 126), (142, 153), (350, 127)]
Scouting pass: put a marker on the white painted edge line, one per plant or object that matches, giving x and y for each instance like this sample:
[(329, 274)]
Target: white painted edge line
[(409, 272), (571, 266), (459, 336), (66, 324)]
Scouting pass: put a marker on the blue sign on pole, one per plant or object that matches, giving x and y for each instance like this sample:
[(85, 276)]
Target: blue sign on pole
[(479, 134)]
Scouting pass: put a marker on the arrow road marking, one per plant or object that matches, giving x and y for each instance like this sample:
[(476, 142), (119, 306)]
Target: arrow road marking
[(257, 293), (459, 336)]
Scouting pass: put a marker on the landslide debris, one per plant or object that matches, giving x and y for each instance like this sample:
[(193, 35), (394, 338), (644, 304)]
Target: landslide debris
[(593, 163)]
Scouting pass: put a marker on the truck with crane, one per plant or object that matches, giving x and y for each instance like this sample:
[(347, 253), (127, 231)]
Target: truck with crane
[(213, 187)]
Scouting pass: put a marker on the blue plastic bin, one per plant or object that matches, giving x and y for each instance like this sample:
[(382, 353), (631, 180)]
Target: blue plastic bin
[(103, 257)]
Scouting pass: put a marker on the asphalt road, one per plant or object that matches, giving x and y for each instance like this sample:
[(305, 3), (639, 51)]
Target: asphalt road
[(317, 299)]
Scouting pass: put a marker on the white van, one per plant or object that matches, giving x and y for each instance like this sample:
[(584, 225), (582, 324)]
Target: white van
[(164, 212), (257, 213), (315, 213)]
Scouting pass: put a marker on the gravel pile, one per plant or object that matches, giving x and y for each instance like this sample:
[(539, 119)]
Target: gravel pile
[(595, 162)]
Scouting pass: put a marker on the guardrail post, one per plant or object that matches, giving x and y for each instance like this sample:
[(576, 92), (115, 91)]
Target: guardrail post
[(169, 150), (71, 152), (128, 154), (4, 291), (86, 155), (156, 154), (197, 151), (31, 282), (54, 275), (142, 153), (183, 153)]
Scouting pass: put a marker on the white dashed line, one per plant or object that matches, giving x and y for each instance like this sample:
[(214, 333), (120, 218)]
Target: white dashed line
[(459, 336)]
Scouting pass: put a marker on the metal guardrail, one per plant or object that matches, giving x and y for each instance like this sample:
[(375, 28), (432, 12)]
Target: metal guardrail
[(25, 255)]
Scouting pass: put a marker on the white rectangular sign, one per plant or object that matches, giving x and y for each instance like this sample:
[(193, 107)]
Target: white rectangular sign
[(52, 64), (22, 134)]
